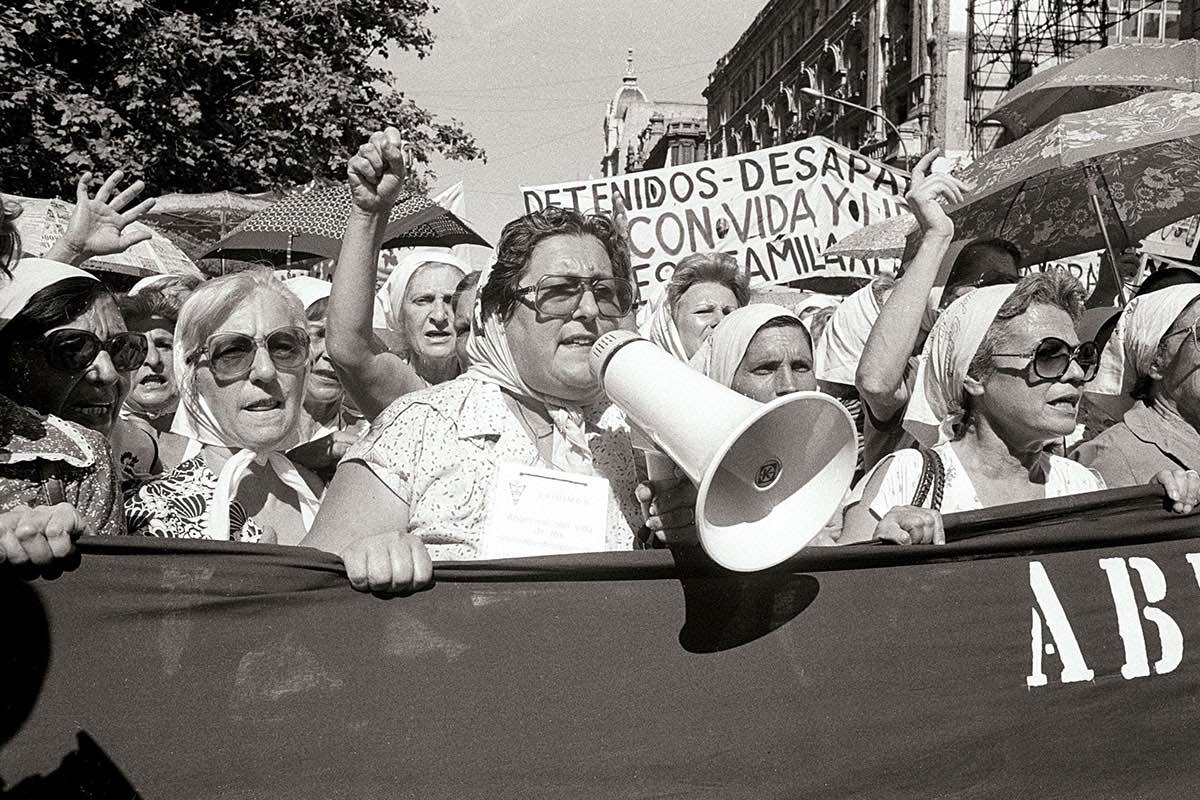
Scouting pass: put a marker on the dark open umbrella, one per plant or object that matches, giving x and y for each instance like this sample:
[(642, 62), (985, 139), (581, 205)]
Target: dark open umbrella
[(1101, 78), (1101, 179), (308, 224)]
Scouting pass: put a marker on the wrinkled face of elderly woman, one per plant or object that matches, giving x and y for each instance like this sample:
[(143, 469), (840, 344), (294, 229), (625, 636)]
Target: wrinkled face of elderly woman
[(428, 311), (154, 383), (1177, 366), (698, 311), (551, 354), (1027, 410), (260, 408), (779, 361), (91, 397), (323, 384)]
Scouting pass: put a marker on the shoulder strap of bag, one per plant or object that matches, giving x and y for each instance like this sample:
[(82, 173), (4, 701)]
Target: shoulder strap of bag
[(932, 483)]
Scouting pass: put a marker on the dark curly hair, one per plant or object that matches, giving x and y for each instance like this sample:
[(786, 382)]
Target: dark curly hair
[(522, 235)]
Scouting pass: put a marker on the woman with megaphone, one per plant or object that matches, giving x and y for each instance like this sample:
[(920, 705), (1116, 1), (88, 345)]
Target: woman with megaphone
[(998, 381), (421, 484)]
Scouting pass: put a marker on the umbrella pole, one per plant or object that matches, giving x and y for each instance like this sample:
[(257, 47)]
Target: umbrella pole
[(1094, 194), (289, 252)]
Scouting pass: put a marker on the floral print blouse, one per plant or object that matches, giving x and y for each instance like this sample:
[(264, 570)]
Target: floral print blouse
[(46, 460), (437, 450)]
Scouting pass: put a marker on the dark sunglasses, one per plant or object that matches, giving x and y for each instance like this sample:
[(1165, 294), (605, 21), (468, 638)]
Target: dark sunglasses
[(1052, 357), (231, 355), (73, 350), (560, 295)]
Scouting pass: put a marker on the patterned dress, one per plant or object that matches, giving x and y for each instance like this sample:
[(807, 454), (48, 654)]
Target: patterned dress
[(176, 506), (437, 450), (46, 460)]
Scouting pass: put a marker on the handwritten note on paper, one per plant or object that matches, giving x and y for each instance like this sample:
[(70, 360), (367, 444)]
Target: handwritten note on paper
[(536, 511)]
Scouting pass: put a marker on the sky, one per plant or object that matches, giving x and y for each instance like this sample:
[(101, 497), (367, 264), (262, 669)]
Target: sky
[(531, 81)]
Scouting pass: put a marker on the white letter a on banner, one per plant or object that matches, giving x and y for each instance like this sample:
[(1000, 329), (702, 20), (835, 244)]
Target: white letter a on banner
[(1053, 618)]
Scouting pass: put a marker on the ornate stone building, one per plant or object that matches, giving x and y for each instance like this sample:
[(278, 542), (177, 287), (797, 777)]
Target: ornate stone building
[(768, 89), (640, 134), (932, 68)]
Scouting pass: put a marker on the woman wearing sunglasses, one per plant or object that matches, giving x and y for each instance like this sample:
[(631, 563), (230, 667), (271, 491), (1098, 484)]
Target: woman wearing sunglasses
[(1000, 378), (241, 357), (1153, 357), (419, 484), (56, 476)]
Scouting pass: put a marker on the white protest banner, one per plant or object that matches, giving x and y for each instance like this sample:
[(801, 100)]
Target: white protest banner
[(776, 210), (1177, 242)]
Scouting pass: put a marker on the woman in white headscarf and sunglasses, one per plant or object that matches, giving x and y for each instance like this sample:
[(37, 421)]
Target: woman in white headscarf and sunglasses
[(1000, 378), (241, 358), (419, 484), (1153, 360)]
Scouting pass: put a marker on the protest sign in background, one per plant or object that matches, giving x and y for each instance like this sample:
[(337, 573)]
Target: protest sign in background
[(776, 210), (1056, 656)]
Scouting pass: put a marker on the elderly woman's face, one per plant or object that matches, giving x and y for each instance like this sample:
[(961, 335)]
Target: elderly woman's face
[(551, 354), (698, 311), (428, 312), (154, 383), (463, 309), (1022, 407), (260, 409), (1181, 372), (91, 398), (323, 385), (779, 361)]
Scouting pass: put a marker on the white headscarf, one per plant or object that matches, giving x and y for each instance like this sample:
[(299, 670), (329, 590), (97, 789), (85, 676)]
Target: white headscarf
[(492, 361), (195, 420), (150, 281), (659, 326), (30, 276), (1130, 350), (390, 297), (936, 402), (309, 290), (722, 352)]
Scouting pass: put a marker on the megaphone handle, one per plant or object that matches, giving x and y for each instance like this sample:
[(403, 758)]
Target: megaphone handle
[(658, 466)]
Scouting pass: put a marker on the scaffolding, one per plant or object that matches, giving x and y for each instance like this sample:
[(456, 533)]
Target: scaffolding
[(1009, 40)]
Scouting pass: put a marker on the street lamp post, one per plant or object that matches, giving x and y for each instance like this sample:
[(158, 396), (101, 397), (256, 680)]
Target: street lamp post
[(811, 92)]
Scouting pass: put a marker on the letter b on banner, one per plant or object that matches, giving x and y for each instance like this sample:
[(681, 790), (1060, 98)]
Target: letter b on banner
[(1137, 660)]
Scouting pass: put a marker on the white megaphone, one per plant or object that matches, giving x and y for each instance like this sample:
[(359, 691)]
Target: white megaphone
[(769, 475)]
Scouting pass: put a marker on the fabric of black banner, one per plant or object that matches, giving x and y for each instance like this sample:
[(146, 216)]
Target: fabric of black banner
[(213, 670)]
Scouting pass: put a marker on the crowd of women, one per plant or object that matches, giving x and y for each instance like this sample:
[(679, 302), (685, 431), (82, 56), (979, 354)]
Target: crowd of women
[(371, 423)]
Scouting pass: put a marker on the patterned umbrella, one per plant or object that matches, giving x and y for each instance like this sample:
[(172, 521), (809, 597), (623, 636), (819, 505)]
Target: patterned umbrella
[(1101, 179), (883, 239), (43, 222), (312, 223), (1101, 78)]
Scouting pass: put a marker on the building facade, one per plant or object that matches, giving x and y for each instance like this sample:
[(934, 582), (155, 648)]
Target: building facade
[(893, 78), (783, 78), (640, 134)]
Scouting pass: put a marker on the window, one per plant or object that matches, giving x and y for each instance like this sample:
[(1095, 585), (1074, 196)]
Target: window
[(1142, 21)]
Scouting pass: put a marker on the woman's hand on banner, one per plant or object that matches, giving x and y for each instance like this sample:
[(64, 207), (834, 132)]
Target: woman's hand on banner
[(388, 563), (670, 509), (911, 525), (377, 172), (39, 535), (927, 194), (1183, 488)]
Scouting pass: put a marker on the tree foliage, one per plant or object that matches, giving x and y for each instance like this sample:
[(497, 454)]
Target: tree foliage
[(202, 95)]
